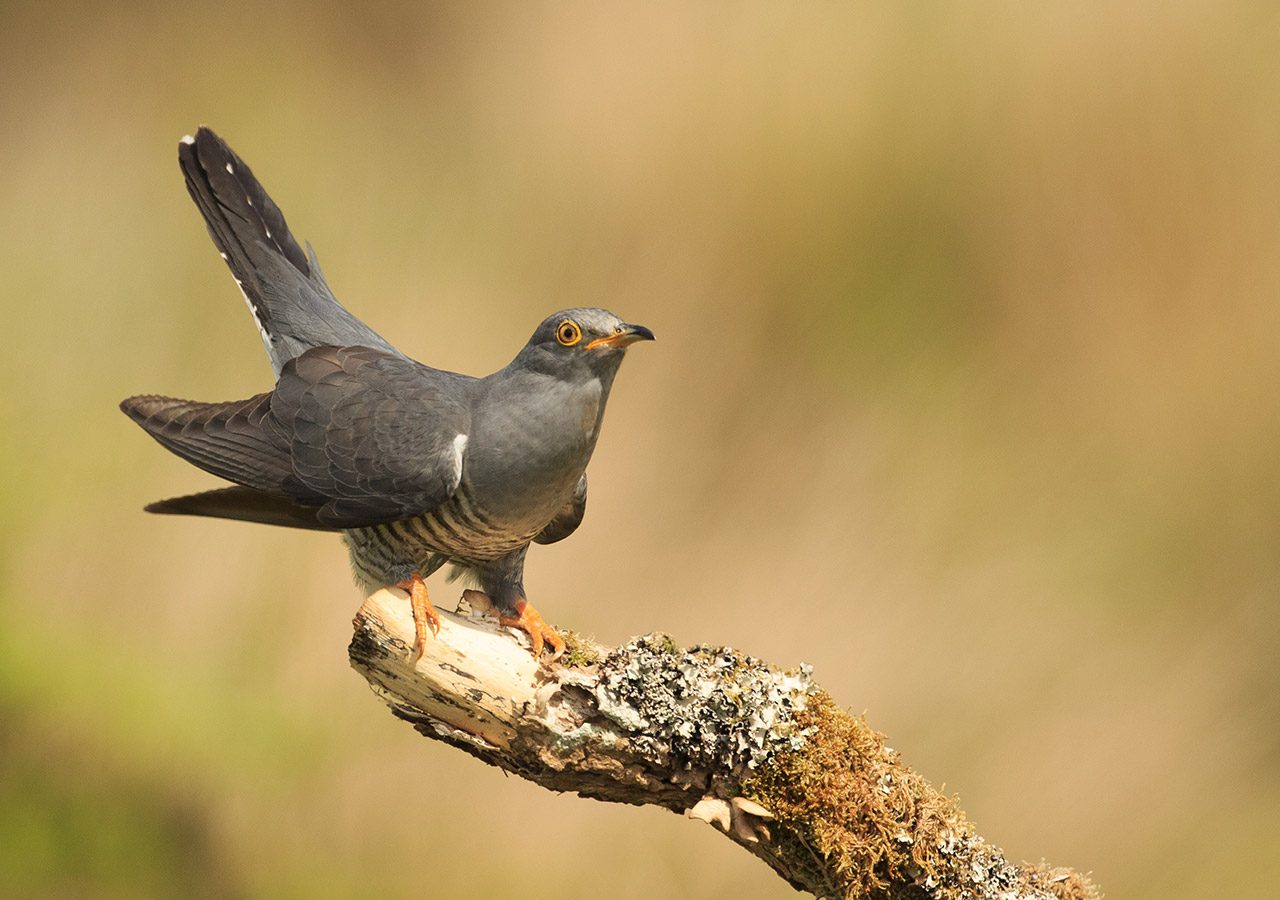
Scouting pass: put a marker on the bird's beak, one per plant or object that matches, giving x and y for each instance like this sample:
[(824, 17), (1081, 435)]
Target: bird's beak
[(624, 336)]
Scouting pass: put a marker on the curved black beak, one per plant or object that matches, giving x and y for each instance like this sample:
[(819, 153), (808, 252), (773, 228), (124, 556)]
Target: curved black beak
[(637, 333)]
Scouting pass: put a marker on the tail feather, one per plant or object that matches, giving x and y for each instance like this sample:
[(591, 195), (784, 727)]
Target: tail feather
[(232, 200), (245, 505), (283, 286), (234, 440)]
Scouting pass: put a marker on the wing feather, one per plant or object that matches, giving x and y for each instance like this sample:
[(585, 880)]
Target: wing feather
[(361, 435), (569, 518)]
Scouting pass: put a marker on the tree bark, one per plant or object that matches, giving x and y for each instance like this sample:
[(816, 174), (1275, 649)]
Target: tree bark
[(761, 754)]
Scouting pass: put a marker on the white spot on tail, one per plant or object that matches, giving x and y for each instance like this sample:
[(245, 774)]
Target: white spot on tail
[(186, 139), (230, 171), (266, 336), (248, 200), (268, 230), (224, 257)]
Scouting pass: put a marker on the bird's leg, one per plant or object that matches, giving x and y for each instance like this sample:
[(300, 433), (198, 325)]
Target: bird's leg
[(424, 614), (528, 620)]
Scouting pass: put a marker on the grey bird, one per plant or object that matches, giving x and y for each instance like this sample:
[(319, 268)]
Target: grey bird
[(416, 467)]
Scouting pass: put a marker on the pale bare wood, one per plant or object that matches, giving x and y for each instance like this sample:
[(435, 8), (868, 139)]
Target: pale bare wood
[(705, 732)]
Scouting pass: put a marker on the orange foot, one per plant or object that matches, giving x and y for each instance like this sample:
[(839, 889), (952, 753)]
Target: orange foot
[(424, 614), (531, 622)]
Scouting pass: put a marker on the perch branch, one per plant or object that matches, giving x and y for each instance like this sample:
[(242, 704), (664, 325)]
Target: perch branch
[(761, 754)]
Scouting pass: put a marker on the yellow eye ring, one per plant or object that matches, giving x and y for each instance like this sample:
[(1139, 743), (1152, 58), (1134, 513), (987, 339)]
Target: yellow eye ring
[(568, 333)]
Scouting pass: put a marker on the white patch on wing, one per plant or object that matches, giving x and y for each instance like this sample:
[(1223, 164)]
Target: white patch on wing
[(230, 171), (459, 445)]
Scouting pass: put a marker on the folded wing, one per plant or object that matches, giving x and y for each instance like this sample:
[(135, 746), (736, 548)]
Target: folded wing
[(356, 434)]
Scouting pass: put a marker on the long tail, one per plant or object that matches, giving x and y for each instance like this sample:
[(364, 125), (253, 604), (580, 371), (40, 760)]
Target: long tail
[(287, 294), (244, 505)]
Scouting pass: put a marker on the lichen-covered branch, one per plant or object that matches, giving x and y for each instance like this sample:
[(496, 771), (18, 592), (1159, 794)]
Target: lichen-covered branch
[(761, 754)]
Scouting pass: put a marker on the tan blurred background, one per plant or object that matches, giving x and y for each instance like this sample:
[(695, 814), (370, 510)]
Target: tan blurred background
[(965, 393)]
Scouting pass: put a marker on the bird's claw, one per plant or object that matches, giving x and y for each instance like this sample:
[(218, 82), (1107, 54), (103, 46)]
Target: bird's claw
[(424, 614), (530, 621)]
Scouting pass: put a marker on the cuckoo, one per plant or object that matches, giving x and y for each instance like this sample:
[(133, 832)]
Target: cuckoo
[(416, 467)]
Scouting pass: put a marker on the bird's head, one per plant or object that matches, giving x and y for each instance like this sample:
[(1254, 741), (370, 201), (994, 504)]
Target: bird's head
[(584, 339)]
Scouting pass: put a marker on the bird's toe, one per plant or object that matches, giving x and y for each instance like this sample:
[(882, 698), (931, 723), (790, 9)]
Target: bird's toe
[(541, 635)]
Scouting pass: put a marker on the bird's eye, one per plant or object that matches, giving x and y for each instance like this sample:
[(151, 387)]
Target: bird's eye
[(568, 333)]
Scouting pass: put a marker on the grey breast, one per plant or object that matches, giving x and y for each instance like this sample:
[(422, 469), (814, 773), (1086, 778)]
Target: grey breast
[(532, 440)]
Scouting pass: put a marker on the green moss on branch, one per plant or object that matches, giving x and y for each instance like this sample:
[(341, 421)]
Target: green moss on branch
[(875, 828)]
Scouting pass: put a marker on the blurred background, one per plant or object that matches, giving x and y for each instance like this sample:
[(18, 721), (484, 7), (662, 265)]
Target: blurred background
[(965, 393)]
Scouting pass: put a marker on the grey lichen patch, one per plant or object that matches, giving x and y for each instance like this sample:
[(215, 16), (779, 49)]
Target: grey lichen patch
[(707, 706)]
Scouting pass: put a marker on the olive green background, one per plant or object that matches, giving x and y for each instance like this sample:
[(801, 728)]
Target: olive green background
[(965, 392)]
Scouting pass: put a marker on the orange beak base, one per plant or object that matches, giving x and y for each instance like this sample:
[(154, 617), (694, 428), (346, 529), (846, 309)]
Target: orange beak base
[(626, 336)]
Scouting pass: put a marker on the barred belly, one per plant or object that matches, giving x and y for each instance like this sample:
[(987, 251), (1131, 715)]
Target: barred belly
[(456, 532)]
